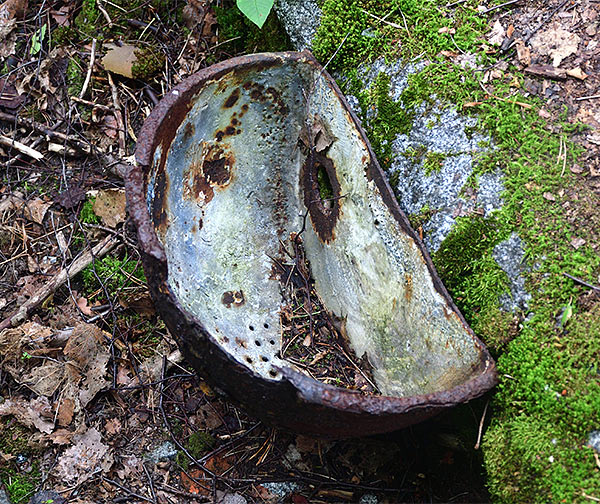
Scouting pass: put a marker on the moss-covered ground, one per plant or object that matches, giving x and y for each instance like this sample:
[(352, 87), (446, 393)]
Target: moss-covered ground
[(548, 399)]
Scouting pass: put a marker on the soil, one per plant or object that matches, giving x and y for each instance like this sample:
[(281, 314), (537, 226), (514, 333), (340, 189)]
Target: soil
[(124, 419)]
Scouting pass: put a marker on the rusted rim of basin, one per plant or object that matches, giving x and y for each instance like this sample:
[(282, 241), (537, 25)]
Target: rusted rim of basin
[(160, 128)]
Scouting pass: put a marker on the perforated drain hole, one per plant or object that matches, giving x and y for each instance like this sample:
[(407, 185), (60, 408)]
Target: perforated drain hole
[(273, 373), (325, 187), (251, 327), (265, 325), (264, 359), (272, 342), (249, 360), (257, 343)]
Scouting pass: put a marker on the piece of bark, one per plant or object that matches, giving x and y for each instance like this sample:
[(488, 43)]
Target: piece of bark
[(546, 71)]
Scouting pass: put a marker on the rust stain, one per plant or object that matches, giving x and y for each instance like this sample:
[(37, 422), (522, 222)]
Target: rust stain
[(188, 130), (233, 298), (233, 98), (213, 172), (409, 287), (159, 202), (241, 343), (323, 217)]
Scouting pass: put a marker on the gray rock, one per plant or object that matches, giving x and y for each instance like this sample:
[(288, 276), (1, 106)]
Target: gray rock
[(368, 499), (282, 489), (510, 256), (594, 440), (3, 497), (163, 452), (440, 130), (300, 19)]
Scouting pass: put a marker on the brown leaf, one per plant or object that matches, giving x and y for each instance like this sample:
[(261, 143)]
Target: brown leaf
[(555, 42), (546, 71), (578, 73), (120, 60), (29, 413), (65, 412), (110, 127), (36, 209), (110, 206), (112, 426), (44, 380), (209, 418), (447, 29), (523, 53), (82, 304)]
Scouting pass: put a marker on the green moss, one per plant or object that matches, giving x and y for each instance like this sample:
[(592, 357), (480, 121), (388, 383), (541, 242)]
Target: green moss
[(19, 485), (420, 219), (465, 264), (433, 162), (88, 19), (200, 442), (383, 118), (112, 272), (243, 36), (86, 214), (149, 62)]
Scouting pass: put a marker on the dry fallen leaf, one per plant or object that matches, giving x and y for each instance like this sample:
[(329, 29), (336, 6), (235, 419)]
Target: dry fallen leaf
[(29, 413), (112, 426), (36, 209), (549, 196), (120, 59), (577, 243), (10, 11), (447, 29), (497, 35), (555, 42), (87, 456), (578, 73), (110, 206), (523, 53)]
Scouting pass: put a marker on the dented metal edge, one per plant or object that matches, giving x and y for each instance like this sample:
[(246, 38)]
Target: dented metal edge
[(173, 108)]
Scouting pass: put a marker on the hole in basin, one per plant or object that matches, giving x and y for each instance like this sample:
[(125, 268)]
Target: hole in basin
[(257, 343), (325, 187), (251, 327)]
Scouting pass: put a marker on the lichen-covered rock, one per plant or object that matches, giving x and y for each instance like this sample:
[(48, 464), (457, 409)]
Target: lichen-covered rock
[(510, 256), (300, 19)]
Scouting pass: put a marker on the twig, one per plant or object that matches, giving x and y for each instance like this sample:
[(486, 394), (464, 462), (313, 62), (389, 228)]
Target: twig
[(453, 4), (60, 278), (334, 54), (125, 489), (151, 483), (476, 447), (90, 103), (118, 115), (590, 497), (88, 76), (381, 20), (45, 130), (591, 97), (505, 4), (104, 13), (24, 149), (582, 282)]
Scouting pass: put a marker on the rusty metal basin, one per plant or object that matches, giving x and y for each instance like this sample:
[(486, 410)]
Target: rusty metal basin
[(227, 167)]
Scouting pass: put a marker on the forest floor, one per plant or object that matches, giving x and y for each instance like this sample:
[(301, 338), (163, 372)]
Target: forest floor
[(96, 404)]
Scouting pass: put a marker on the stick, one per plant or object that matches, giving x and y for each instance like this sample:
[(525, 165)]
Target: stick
[(118, 116), (88, 76), (505, 4), (22, 148), (476, 447), (582, 282), (591, 97), (69, 272), (45, 130)]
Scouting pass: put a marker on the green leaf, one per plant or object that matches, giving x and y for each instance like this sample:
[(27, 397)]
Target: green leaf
[(36, 40), (256, 10), (567, 314)]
